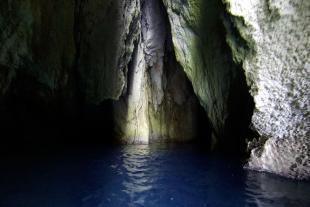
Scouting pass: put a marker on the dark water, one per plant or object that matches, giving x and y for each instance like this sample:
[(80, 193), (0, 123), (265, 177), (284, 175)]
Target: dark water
[(158, 176)]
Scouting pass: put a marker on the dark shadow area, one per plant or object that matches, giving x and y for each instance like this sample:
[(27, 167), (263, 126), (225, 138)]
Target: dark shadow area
[(34, 120), (203, 125), (228, 78), (57, 150), (241, 106), (144, 175)]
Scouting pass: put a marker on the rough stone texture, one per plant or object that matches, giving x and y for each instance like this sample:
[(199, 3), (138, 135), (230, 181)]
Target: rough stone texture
[(199, 40), (36, 40), (107, 30), (154, 36), (52, 49), (159, 104), (59, 61), (277, 64), (60, 43)]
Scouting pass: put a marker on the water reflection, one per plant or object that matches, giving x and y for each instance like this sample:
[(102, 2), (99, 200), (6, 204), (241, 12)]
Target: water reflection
[(150, 176), (138, 174), (265, 190)]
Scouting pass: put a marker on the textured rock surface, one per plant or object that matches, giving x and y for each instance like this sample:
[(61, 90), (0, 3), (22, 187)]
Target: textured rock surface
[(276, 60), (159, 104), (59, 60), (200, 46), (116, 49), (86, 42), (106, 32), (36, 40)]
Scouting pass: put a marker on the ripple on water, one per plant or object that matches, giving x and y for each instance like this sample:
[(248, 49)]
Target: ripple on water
[(149, 176)]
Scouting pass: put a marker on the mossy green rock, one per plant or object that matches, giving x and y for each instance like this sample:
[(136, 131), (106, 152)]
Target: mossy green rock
[(199, 41)]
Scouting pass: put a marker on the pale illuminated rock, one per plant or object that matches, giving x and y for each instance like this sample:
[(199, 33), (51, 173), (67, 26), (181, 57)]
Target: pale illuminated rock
[(277, 69), (159, 105)]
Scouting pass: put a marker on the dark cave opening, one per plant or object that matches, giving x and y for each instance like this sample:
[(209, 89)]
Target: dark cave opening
[(228, 77), (43, 119), (130, 103), (35, 120), (173, 109), (202, 122)]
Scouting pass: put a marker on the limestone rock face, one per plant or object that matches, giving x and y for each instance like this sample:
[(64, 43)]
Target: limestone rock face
[(199, 40), (276, 61), (159, 105)]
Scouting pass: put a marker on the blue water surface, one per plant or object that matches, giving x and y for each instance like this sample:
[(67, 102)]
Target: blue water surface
[(150, 176)]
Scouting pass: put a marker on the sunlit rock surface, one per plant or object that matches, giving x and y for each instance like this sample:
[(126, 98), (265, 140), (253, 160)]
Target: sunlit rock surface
[(199, 40), (159, 104), (276, 61)]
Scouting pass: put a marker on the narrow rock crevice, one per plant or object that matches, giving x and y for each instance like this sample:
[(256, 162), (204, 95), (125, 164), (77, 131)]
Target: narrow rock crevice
[(160, 105), (199, 39)]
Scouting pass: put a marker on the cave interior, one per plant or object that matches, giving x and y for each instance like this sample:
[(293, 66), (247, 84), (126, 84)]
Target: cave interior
[(142, 103)]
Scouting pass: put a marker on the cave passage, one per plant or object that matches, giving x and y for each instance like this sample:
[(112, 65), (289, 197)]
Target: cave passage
[(160, 104), (145, 103)]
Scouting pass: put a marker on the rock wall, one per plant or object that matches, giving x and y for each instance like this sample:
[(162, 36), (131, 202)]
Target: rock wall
[(59, 60), (276, 61), (77, 52), (199, 40), (106, 31), (159, 104), (269, 41), (89, 51), (61, 43), (36, 41)]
